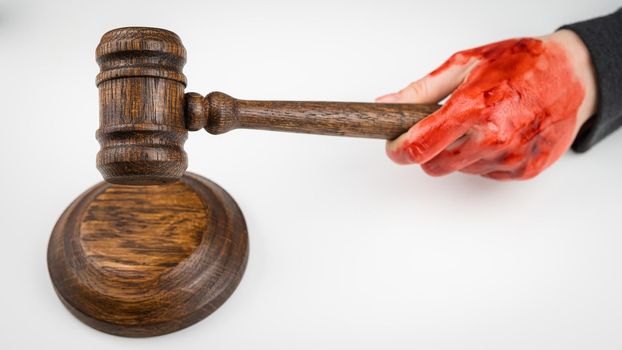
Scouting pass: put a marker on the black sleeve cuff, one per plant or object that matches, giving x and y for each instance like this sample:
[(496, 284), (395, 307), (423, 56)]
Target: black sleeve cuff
[(603, 38)]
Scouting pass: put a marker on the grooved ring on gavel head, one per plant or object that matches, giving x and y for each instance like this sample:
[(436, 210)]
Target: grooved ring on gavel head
[(142, 128)]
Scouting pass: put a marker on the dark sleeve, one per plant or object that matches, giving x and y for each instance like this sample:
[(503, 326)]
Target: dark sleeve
[(603, 38)]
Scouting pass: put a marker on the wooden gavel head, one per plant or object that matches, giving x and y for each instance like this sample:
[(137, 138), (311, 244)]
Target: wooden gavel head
[(141, 106)]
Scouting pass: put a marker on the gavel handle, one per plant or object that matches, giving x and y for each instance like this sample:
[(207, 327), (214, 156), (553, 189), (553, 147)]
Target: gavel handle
[(219, 113)]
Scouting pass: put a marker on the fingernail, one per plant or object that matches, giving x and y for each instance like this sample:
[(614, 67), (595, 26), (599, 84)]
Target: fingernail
[(388, 98)]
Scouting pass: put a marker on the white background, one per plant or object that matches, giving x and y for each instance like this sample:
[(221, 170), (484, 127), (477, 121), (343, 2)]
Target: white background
[(347, 249)]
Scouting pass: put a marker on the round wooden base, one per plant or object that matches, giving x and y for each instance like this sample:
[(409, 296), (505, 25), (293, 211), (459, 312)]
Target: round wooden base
[(141, 261)]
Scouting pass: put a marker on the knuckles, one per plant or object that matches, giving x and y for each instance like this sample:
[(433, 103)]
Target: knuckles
[(417, 88)]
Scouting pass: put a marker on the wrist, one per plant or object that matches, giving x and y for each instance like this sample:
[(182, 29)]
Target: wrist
[(581, 63)]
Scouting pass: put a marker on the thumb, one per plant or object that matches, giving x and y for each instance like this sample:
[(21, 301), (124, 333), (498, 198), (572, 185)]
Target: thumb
[(432, 88)]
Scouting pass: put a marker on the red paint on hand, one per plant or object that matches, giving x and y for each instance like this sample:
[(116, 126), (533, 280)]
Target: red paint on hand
[(513, 115)]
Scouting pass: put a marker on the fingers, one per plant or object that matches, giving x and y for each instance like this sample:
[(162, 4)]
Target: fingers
[(529, 167), (432, 135), (501, 175), (521, 163), (506, 162), (429, 89), (508, 166), (463, 152)]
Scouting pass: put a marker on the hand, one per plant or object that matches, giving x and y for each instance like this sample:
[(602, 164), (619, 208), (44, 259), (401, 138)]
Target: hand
[(515, 108)]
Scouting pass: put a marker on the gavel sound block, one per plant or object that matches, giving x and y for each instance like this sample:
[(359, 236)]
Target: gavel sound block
[(153, 249)]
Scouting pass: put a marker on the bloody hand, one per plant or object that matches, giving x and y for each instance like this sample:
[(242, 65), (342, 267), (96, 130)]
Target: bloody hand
[(515, 108)]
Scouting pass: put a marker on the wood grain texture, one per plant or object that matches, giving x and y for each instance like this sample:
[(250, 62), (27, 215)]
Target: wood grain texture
[(148, 260), (219, 113), (142, 230), (141, 103)]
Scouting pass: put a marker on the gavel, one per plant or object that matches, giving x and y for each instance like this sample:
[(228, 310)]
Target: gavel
[(146, 260), (145, 115)]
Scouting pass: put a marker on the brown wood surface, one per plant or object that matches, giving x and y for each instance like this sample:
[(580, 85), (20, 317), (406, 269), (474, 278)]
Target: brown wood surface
[(145, 116), (141, 103), (142, 230), (148, 260), (219, 113)]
